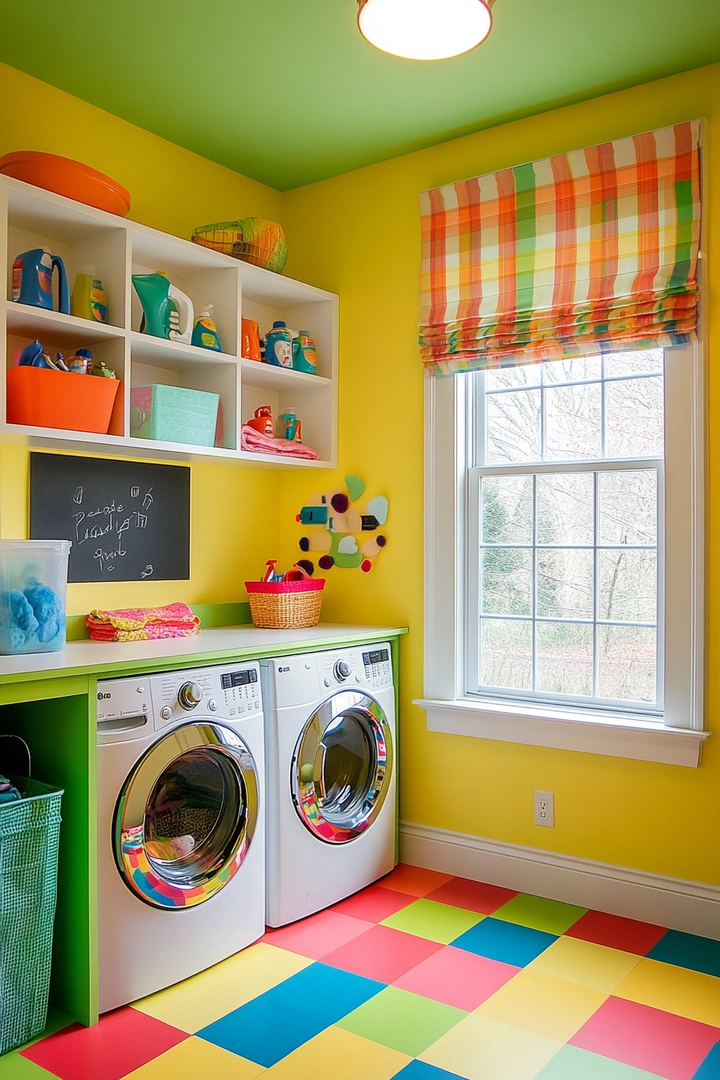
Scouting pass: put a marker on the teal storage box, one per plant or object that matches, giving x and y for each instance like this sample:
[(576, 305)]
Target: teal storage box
[(174, 414)]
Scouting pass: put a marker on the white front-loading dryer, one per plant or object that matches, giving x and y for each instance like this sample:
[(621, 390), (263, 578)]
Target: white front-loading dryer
[(181, 859), (331, 777)]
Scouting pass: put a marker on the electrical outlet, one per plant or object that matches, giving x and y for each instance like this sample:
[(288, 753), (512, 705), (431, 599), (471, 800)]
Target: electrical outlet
[(545, 808)]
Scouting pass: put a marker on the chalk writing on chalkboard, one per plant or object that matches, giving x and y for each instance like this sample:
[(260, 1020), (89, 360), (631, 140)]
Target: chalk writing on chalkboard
[(128, 521), (106, 526)]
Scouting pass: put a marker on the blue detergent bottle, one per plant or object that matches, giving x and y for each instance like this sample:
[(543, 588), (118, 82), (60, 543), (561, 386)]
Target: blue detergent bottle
[(32, 280), (278, 347)]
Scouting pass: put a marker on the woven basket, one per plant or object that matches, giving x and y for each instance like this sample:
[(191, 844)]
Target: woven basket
[(254, 240), (285, 605)]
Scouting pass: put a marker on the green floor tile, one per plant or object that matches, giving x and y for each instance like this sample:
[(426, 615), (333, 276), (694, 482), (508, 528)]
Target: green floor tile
[(14, 1067), (539, 914), (438, 922), (401, 1020), (571, 1063)]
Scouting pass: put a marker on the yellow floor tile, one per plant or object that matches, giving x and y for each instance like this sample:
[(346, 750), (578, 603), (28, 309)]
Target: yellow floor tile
[(337, 1052), (194, 1059), (674, 989), (199, 1001), (585, 963), (480, 1048), (550, 1007)]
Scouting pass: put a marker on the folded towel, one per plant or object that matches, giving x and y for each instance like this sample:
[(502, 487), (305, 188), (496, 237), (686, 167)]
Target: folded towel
[(143, 624), (267, 444)]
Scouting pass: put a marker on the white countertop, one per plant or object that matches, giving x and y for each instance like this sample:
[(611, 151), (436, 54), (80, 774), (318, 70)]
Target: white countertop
[(89, 656)]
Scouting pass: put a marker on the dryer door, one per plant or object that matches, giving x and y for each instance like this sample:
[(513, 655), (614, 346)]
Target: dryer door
[(186, 815), (342, 767)]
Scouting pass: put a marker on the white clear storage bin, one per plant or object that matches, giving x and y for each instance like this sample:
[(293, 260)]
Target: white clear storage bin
[(33, 585)]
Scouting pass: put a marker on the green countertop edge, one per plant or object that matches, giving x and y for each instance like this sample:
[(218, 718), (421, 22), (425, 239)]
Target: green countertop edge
[(211, 616)]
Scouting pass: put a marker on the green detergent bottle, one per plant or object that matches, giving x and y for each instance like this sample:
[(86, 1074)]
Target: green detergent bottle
[(205, 333)]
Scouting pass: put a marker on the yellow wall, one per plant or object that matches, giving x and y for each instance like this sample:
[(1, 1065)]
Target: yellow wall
[(234, 509), (359, 235)]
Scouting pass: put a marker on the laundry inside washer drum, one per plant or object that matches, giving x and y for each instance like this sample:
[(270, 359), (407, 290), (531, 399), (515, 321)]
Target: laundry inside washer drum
[(189, 824)]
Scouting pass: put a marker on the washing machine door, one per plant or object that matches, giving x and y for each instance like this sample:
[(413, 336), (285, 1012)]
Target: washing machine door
[(186, 815), (342, 767)]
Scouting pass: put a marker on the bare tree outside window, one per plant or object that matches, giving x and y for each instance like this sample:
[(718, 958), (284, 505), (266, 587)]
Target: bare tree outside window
[(569, 468)]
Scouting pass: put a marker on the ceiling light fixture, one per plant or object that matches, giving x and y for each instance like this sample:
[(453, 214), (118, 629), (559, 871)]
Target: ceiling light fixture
[(425, 29)]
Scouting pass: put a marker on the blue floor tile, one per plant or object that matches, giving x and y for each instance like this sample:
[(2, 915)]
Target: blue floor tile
[(420, 1070), (274, 1024), (504, 941), (710, 1068), (688, 951)]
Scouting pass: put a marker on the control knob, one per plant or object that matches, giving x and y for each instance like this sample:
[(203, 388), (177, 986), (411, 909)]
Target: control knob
[(342, 671), (190, 695)]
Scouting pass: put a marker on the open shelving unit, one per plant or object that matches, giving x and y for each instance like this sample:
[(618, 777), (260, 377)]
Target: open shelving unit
[(117, 248)]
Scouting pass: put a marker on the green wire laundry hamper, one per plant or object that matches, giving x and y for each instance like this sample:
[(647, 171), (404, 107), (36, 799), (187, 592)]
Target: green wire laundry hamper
[(29, 836)]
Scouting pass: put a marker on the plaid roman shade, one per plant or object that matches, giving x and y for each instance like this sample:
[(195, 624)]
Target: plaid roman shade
[(579, 253)]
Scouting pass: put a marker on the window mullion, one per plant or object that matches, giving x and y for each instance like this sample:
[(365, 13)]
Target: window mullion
[(596, 582)]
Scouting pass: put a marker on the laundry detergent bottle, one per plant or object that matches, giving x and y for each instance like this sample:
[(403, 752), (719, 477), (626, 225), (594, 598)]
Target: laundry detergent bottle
[(304, 355), (205, 333), (278, 348), (89, 300), (32, 280)]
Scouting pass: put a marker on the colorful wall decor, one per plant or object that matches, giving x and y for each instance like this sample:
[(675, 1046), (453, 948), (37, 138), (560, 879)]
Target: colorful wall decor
[(343, 534)]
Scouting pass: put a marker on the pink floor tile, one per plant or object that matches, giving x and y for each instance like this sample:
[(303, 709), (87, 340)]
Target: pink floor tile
[(122, 1041), (457, 977), (472, 895), (616, 932), (318, 935), (659, 1042), (382, 953), (374, 904), (414, 880)]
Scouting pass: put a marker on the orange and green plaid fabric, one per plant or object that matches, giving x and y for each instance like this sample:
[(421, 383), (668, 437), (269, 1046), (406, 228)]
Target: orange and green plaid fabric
[(577, 253)]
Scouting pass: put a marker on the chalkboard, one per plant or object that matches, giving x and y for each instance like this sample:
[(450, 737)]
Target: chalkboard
[(127, 520)]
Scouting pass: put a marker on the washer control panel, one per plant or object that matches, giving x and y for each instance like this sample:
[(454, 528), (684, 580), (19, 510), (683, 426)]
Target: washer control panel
[(229, 691)]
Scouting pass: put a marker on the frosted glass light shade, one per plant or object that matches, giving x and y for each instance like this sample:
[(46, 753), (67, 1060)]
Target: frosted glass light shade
[(425, 29)]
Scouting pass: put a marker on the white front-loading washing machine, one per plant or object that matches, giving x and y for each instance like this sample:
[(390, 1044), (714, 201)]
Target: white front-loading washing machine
[(330, 740), (181, 833)]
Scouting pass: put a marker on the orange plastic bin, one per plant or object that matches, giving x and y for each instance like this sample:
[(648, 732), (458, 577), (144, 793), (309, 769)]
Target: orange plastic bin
[(38, 397)]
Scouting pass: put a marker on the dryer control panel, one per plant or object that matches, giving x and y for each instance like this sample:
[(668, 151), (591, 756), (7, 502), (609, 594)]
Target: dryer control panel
[(228, 692), (369, 665)]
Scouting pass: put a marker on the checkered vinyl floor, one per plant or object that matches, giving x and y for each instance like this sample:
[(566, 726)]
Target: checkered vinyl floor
[(422, 976)]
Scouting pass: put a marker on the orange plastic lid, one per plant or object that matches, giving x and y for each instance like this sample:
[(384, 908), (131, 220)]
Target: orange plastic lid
[(67, 177)]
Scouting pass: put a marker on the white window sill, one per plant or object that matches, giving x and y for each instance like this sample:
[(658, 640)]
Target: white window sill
[(616, 735)]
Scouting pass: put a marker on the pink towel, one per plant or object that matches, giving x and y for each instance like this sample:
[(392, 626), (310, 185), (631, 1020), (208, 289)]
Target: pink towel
[(258, 443), (143, 624)]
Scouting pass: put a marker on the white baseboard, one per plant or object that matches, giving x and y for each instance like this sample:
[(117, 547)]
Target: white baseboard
[(682, 905)]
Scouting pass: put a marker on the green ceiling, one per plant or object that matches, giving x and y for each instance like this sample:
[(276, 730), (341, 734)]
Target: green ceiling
[(286, 91)]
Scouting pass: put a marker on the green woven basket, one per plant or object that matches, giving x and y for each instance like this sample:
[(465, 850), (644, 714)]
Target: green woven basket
[(29, 836)]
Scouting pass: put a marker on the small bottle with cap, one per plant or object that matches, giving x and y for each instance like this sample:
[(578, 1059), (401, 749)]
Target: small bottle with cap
[(287, 425)]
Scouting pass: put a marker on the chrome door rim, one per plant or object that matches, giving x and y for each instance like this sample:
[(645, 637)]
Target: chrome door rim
[(307, 793), (140, 872)]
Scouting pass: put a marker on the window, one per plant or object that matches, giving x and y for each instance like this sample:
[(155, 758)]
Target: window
[(564, 573), (564, 554)]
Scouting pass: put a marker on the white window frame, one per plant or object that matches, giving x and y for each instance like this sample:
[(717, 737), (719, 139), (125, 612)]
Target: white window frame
[(675, 737)]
